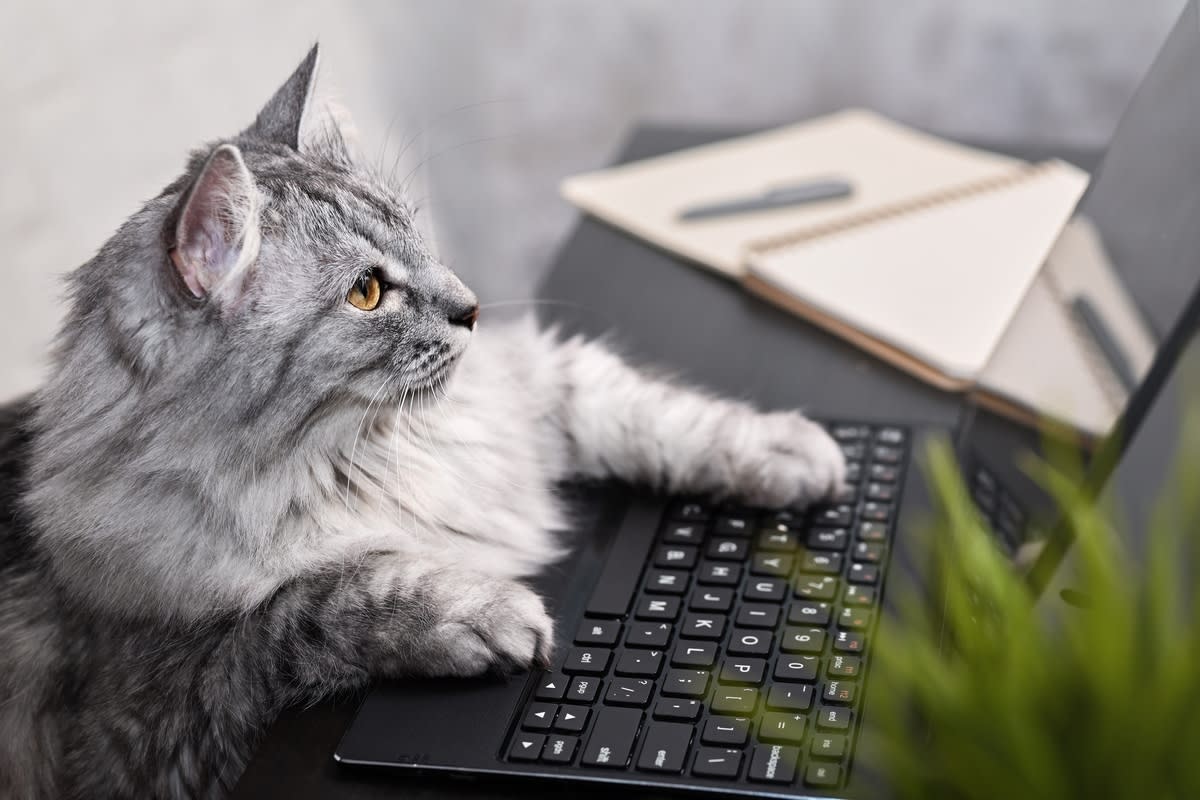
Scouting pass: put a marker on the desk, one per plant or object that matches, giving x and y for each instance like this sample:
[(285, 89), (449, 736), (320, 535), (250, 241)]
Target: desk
[(660, 311)]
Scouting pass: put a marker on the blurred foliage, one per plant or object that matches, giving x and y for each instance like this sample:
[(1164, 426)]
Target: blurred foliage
[(1101, 702)]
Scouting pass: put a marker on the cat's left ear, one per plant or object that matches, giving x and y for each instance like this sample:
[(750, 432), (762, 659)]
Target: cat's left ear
[(281, 118)]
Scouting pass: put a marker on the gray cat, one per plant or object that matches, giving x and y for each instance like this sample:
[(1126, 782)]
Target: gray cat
[(267, 467)]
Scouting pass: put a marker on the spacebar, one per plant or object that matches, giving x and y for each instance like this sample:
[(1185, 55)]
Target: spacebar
[(614, 590)]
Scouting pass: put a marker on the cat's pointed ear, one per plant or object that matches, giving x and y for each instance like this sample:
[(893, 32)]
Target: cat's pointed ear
[(281, 118), (217, 232)]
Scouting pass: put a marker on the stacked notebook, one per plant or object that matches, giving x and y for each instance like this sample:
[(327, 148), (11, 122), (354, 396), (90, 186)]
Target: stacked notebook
[(933, 262)]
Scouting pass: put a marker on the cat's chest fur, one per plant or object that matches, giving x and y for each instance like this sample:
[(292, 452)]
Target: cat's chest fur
[(470, 473)]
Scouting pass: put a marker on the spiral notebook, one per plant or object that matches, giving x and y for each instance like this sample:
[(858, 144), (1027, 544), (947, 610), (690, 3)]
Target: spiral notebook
[(925, 265)]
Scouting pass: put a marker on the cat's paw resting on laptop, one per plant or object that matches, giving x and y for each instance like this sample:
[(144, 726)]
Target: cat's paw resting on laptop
[(780, 459)]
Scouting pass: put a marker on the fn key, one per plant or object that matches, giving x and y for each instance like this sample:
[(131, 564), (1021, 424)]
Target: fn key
[(612, 737)]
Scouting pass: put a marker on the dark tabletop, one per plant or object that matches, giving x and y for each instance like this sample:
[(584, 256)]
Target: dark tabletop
[(656, 310)]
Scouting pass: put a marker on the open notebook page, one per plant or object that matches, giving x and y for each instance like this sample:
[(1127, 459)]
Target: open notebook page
[(938, 284), (886, 162)]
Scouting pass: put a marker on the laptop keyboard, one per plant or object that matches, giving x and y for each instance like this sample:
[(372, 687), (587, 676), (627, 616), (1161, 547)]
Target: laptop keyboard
[(735, 651), (999, 509)]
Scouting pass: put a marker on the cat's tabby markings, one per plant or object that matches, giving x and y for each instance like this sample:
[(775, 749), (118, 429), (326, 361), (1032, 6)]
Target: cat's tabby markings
[(275, 459)]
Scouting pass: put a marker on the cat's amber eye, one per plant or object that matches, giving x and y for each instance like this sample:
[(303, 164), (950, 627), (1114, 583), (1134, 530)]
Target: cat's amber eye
[(365, 292)]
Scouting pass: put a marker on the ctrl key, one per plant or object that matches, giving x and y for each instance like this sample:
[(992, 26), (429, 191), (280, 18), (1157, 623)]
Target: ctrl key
[(612, 737), (774, 763)]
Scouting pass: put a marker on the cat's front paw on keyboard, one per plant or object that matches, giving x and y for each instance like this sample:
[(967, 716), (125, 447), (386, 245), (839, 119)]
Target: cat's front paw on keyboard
[(785, 459), (492, 624)]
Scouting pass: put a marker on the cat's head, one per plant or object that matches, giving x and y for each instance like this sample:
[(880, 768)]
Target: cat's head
[(279, 266)]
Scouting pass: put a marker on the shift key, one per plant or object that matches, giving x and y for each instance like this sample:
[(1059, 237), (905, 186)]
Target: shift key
[(612, 738)]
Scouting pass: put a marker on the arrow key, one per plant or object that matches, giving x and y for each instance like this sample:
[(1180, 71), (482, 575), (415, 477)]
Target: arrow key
[(552, 686), (571, 719), (526, 747), (539, 717)]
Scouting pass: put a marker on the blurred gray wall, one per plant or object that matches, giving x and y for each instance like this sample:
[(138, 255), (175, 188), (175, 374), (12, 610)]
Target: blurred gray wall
[(488, 103)]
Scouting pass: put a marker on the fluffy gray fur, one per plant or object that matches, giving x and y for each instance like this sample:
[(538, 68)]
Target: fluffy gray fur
[(239, 491)]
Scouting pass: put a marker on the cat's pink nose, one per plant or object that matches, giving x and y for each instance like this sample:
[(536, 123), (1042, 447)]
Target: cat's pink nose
[(466, 318)]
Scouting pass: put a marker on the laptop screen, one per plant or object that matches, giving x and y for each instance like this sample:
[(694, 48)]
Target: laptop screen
[(1102, 326)]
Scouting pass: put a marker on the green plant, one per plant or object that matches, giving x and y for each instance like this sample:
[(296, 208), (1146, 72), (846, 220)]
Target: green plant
[(1102, 702)]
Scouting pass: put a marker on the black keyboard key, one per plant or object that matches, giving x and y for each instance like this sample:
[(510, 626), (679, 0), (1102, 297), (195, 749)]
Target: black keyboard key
[(853, 451), (559, 749), (571, 719), (750, 643), (849, 642), (640, 663), (840, 692), (733, 525), (844, 666), (712, 762), (774, 763), (858, 596), (809, 612), (716, 573), (765, 590), (685, 683), (666, 581), (736, 700), (582, 689), (872, 532), (867, 552), (827, 538), (612, 737), (539, 717), (773, 565), (712, 598), (683, 533), (849, 433), (778, 727), (743, 670), (675, 556), (614, 590), (796, 668), (733, 731), (702, 626), (884, 492), (865, 574), (648, 634), (598, 631), (664, 747), (884, 473), (660, 608), (853, 471), (629, 692), (690, 510), (876, 512), (802, 640), (838, 516), (816, 587), (526, 747), (790, 697), (776, 541), (821, 563), (855, 618), (882, 454), (727, 549), (834, 718), (891, 436), (828, 745), (680, 710), (823, 776), (785, 518), (551, 686), (757, 615), (694, 654), (586, 661)]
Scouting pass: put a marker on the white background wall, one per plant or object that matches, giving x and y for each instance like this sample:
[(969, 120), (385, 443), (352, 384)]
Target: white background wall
[(499, 99)]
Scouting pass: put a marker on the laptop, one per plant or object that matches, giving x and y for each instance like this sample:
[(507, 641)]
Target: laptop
[(718, 649)]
